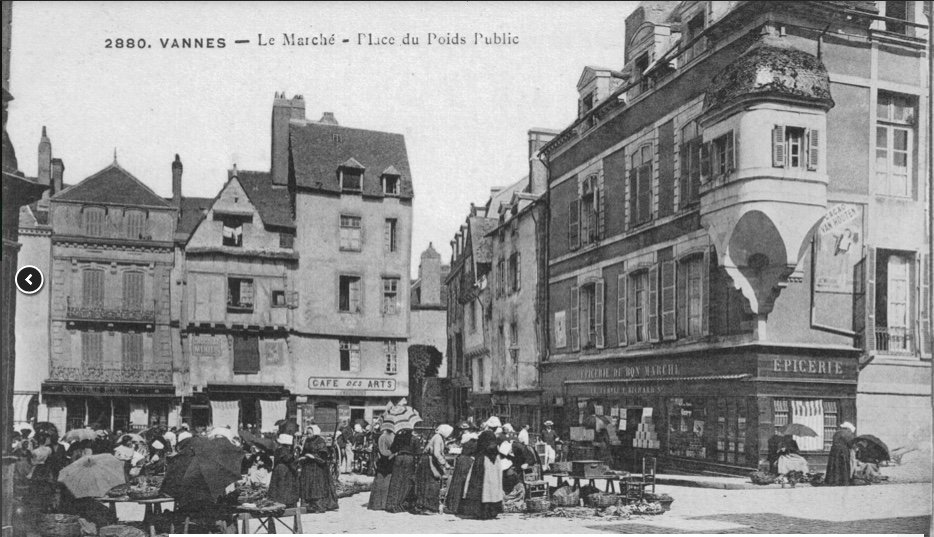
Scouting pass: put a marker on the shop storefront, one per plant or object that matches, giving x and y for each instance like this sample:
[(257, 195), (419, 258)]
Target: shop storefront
[(258, 406), (711, 411), (118, 407), (519, 408), (329, 400)]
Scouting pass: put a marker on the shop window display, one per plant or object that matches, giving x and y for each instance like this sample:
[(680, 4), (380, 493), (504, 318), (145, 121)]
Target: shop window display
[(688, 427)]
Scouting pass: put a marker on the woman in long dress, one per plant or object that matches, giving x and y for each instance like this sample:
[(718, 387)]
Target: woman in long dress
[(380, 490), (462, 466), (483, 497), (839, 468), (431, 468), (283, 485), (317, 489), (402, 481)]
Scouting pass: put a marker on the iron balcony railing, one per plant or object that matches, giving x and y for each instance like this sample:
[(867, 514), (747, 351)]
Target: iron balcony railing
[(111, 310), (895, 340), (127, 374)]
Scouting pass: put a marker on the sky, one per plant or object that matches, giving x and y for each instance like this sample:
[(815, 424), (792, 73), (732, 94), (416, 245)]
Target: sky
[(464, 109)]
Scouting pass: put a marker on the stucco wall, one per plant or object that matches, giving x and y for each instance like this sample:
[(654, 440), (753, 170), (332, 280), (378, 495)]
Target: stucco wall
[(32, 318)]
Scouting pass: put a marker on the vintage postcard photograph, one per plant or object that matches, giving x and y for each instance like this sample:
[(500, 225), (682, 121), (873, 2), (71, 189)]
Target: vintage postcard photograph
[(466, 267)]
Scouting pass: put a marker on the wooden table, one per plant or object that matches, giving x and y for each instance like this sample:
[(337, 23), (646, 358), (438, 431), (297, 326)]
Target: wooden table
[(267, 518), (153, 508), (565, 478)]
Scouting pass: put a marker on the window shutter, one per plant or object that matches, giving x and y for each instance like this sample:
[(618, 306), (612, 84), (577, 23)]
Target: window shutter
[(668, 300), (652, 305), (731, 152), (573, 324), (518, 271), (778, 146), (645, 193), (246, 355), (925, 339), (598, 314), (705, 161), (631, 309), (574, 235), (132, 290), (633, 217), (681, 301), (621, 309), (601, 214), (813, 151), (871, 299), (684, 157), (705, 291), (859, 297), (93, 292)]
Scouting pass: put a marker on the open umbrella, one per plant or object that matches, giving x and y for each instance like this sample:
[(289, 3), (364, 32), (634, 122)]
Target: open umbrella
[(46, 427), (797, 429), (93, 475), (202, 470), (870, 449), (77, 435), (401, 417)]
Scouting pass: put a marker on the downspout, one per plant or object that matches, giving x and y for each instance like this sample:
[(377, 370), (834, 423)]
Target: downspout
[(543, 232)]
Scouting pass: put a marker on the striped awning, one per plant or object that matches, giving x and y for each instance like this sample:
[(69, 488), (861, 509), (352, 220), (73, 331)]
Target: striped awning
[(21, 407)]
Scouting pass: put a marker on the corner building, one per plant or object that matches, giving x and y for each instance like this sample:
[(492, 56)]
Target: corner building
[(738, 235)]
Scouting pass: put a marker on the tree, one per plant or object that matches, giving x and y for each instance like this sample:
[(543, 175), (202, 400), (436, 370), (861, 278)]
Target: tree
[(424, 361)]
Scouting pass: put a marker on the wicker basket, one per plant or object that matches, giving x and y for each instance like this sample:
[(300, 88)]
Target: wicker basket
[(601, 500), (537, 505), (143, 493), (57, 525), (566, 499), (249, 496), (119, 491), (561, 467)]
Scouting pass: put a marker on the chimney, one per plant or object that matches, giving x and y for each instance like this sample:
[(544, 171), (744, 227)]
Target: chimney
[(328, 119), (429, 272), (297, 107), (538, 173), (58, 173), (44, 175), (281, 114), (177, 182)]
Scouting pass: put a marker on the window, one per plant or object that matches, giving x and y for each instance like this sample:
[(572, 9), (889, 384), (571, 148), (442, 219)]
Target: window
[(896, 10), (392, 361), (93, 288), (246, 355), (94, 221), (239, 295), (350, 355), (515, 272), (135, 224), (349, 293), (793, 147), (691, 142), (132, 351), (391, 296), (642, 63), (351, 233), (894, 115), (232, 232), (391, 185), (731, 430), (92, 349), (351, 179), (721, 150), (638, 298), (278, 299), (390, 241), (472, 316), (893, 284), (831, 423), (590, 315), (501, 277), (695, 27), (286, 240), (587, 103), (132, 290), (514, 334), (640, 186), (820, 415), (691, 276), (590, 211)]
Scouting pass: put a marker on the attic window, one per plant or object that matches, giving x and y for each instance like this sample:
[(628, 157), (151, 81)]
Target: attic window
[(587, 102), (642, 63), (232, 229), (391, 185), (351, 179)]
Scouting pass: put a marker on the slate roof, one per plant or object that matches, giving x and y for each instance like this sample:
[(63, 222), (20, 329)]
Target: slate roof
[(318, 150), (193, 211), (113, 185), (271, 201)]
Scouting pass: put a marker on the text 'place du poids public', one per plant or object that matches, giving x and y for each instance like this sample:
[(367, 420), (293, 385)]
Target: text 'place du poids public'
[(432, 38)]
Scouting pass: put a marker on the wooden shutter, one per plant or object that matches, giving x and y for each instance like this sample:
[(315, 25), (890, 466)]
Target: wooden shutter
[(600, 207), (631, 309), (705, 161), (666, 170), (645, 193), (668, 300), (573, 324), (92, 348), (813, 148), (598, 314), (574, 227), (132, 350), (684, 156), (246, 355), (778, 146), (633, 201), (859, 297), (518, 271), (705, 291), (621, 309), (682, 299), (925, 339), (870, 299), (132, 290), (93, 288), (652, 306), (731, 152)]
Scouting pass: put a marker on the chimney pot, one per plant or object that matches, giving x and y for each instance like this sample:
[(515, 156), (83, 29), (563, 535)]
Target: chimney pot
[(58, 173), (177, 183)]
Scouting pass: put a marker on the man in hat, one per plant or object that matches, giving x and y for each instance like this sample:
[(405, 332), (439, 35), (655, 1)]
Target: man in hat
[(551, 440)]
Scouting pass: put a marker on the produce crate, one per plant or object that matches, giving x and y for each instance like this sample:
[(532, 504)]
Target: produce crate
[(591, 468)]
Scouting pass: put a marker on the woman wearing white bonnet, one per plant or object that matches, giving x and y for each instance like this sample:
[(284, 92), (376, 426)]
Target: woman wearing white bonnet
[(431, 469), (222, 432)]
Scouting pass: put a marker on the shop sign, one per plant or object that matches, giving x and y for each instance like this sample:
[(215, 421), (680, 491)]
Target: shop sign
[(596, 390), (816, 368), (660, 370), (354, 383), (839, 248)]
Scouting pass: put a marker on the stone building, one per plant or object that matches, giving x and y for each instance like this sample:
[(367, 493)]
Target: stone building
[(111, 360), (428, 328), (738, 237)]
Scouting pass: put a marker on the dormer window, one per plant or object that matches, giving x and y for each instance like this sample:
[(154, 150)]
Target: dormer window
[(351, 179), (642, 63), (694, 28), (391, 185), (587, 102)]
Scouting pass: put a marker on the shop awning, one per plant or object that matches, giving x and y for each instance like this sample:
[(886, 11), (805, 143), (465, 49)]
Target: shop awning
[(735, 376), (21, 407), (246, 389)]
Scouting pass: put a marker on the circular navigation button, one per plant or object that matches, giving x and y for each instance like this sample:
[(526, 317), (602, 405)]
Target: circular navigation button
[(29, 280)]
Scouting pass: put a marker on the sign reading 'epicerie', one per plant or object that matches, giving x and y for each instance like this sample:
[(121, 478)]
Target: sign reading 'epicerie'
[(335, 383)]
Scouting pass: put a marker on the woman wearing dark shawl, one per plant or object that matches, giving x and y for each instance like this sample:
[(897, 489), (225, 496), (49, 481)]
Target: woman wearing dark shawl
[(483, 497), (316, 487), (283, 485), (462, 466), (431, 468), (839, 468), (380, 490), (402, 481)]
